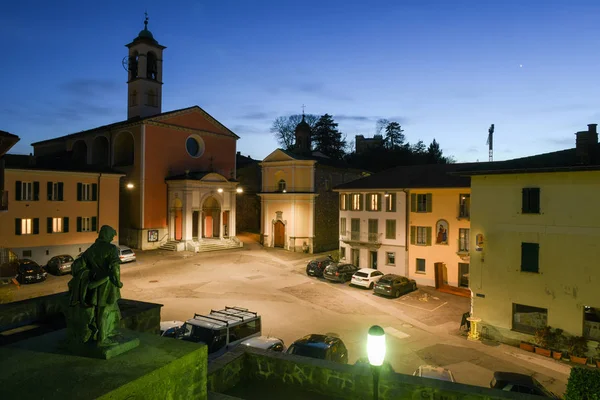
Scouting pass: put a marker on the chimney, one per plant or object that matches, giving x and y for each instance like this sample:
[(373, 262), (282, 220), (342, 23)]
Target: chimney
[(586, 145), (239, 153)]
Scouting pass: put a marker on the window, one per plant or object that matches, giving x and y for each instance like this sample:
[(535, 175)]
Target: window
[(342, 226), (86, 224), (373, 202), (463, 240), (390, 202), (133, 99), (152, 98), (342, 252), (356, 202), (463, 275), (373, 230), (530, 254), (343, 202), (27, 191), (27, 253), (390, 258), (58, 225), (87, 192), (27, 226), (420, 235), (355, 229), (281, 186), (527, 319), (464, 206), (591, 323), (421, 202), (194, 145), (420, 266), (55, 191), (390, 229), (531, 201)]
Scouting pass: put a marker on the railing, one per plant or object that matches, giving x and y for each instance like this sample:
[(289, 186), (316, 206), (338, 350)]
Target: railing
[(3, 200), (362, 237), (289, 189), (464, 211)]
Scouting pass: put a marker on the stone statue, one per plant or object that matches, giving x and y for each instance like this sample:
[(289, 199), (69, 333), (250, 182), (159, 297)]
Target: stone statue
[(93, 314)]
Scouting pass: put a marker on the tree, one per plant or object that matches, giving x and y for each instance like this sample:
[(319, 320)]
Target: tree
[(327, 138), (394, 136), (434, 153), (284, 128), (418, 148), (380, 125)]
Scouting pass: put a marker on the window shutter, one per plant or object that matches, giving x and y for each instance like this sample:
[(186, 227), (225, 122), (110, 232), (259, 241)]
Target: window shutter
[(361, 201), (36, 191), (413, 202), (94, 191), (49, 225), (530, 257), (49, 190), (341, 202), (18, 187), (17, 226), (60, 191), (379, 202), (79, 191), (65, 224), (36, 226), (94, 223), (413, 235), (534, 200), (393, 200), (525, 201), (79, 224), (429, 198), (428, 233)]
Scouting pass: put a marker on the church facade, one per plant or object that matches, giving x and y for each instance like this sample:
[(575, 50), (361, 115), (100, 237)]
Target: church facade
[(180, 182)]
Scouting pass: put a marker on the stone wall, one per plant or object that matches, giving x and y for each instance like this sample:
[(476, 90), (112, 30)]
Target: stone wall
[(246, 365)]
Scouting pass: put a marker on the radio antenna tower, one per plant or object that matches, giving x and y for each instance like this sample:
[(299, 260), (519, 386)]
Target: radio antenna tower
[(490, 142)]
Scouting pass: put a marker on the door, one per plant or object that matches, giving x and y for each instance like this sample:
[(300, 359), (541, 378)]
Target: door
[(279, 229), (356, 257), (439, 275), (374, 259), (195, 221), (208, 226), (178, 224), (463, 275)]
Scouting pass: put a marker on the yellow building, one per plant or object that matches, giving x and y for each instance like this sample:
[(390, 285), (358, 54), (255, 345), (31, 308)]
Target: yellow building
[(7, 141), (411, 221), (535, 228), (299, 210), (55, 211)]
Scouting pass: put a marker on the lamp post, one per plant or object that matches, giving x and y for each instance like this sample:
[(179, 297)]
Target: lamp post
[(376, 354)]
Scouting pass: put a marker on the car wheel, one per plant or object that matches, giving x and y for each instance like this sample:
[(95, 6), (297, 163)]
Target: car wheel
[(397, 294), (414, 287), (371, 286)]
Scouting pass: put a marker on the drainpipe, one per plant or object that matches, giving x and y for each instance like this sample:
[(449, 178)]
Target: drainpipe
[(406, 230)]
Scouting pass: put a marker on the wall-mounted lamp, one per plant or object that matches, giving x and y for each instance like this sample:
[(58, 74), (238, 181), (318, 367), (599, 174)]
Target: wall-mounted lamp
[(386, 194), (130, 185), (284, 191), (239, 190), (220, 190)]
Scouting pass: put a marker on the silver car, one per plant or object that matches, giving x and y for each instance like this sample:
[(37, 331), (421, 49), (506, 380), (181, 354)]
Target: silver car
[(126, 254), (265, 343), (431, 372), (60, 265)]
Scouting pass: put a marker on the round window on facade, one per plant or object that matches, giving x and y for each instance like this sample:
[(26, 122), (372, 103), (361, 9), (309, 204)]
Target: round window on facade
[(194, 146)]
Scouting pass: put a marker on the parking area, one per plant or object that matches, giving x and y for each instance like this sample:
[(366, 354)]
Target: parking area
[(422, 326)]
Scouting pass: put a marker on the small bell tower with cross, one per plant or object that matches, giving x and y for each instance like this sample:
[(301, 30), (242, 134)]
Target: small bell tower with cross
[(302, 133), (145, 73)]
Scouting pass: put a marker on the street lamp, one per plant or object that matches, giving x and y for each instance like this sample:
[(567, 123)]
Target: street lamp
[(376, 354), (220, 190), (130, 186), (239, 190)]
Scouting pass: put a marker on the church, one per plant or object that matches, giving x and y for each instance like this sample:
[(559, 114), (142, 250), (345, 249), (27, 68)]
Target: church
[(179, 189)]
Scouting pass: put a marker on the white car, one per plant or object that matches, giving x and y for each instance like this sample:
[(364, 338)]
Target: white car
[(431, 372), (265, 343), (126, 254), (169, 328), (366, 277)]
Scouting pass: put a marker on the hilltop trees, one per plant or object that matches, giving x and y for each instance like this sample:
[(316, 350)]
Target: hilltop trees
[(284, 128), (327, 139)]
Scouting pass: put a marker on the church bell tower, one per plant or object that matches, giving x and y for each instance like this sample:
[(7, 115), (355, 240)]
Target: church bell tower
[(144, 66)]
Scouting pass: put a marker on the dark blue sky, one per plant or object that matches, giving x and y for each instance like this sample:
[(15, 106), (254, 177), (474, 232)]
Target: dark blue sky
[(444, 69)]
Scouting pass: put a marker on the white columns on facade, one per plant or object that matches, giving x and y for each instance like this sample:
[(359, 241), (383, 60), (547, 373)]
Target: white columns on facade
[(186, 216)]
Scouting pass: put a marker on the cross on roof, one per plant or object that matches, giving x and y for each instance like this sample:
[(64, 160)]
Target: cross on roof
[(303, 107)]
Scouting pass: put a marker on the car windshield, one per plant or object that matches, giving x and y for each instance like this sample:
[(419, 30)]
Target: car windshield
[(214, 339), (308, 351), (65, 259), (386, 280), (361, 274), (127, 252)]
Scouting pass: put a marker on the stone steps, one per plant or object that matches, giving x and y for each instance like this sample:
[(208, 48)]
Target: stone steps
[(169, 246)]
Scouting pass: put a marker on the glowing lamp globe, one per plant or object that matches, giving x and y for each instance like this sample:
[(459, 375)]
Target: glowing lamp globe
[(239, 190), (376, 345), (220, 190)]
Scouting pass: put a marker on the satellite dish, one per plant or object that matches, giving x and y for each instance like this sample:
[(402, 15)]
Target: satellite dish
[(125, 63)]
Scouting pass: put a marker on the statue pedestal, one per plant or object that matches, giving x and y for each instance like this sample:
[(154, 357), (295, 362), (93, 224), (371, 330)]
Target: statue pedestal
[(121, 343)]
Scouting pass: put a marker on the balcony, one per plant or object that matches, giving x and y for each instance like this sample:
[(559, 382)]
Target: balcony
[(464, 211), (362, 238), (3, 200), (277, 189)]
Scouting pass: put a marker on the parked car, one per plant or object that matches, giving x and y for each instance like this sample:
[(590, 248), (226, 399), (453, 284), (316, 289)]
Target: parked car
[(431, 372), (126, 254), (170, 328), (339, 272), (221, 330), (520, 383), (323, 347), (60, 265), (265, 343), (317, 266), (29, 271), (366, 277), (394, 285)]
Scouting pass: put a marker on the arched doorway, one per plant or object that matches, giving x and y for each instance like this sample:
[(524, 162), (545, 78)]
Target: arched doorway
[(123, 150), (178, 219), (79, 152), (100, 151), (279, 234), (211, 211)]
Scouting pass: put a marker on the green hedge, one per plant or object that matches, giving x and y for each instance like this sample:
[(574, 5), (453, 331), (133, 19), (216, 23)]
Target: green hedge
[(584, 384)]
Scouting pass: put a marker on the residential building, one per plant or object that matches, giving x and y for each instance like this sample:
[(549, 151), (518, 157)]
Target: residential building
[(299, 209), (363, 144), (535, 229), (411, 221), (179, 166), (7, 141), (54, 209)]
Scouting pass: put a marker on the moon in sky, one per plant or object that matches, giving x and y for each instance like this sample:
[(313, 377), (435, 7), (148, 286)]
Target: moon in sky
[(520, 65)]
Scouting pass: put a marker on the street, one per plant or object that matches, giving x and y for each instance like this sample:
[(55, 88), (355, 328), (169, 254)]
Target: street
[(422, 327)]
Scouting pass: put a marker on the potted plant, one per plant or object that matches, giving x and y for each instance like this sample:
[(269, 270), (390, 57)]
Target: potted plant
[(542, 339), (526, 346), (577, 347), (556, 343), (598, 355)]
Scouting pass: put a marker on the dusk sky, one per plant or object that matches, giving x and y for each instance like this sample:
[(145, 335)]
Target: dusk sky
[(443, 69)]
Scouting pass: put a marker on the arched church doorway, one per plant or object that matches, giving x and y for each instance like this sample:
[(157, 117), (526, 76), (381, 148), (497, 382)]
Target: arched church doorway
[(211, 211), (279, 234), (123, 150), (178, 219), (100, 151)]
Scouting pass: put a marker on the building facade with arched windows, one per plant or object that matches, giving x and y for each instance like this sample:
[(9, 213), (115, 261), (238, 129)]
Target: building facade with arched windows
[(177, 164)]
